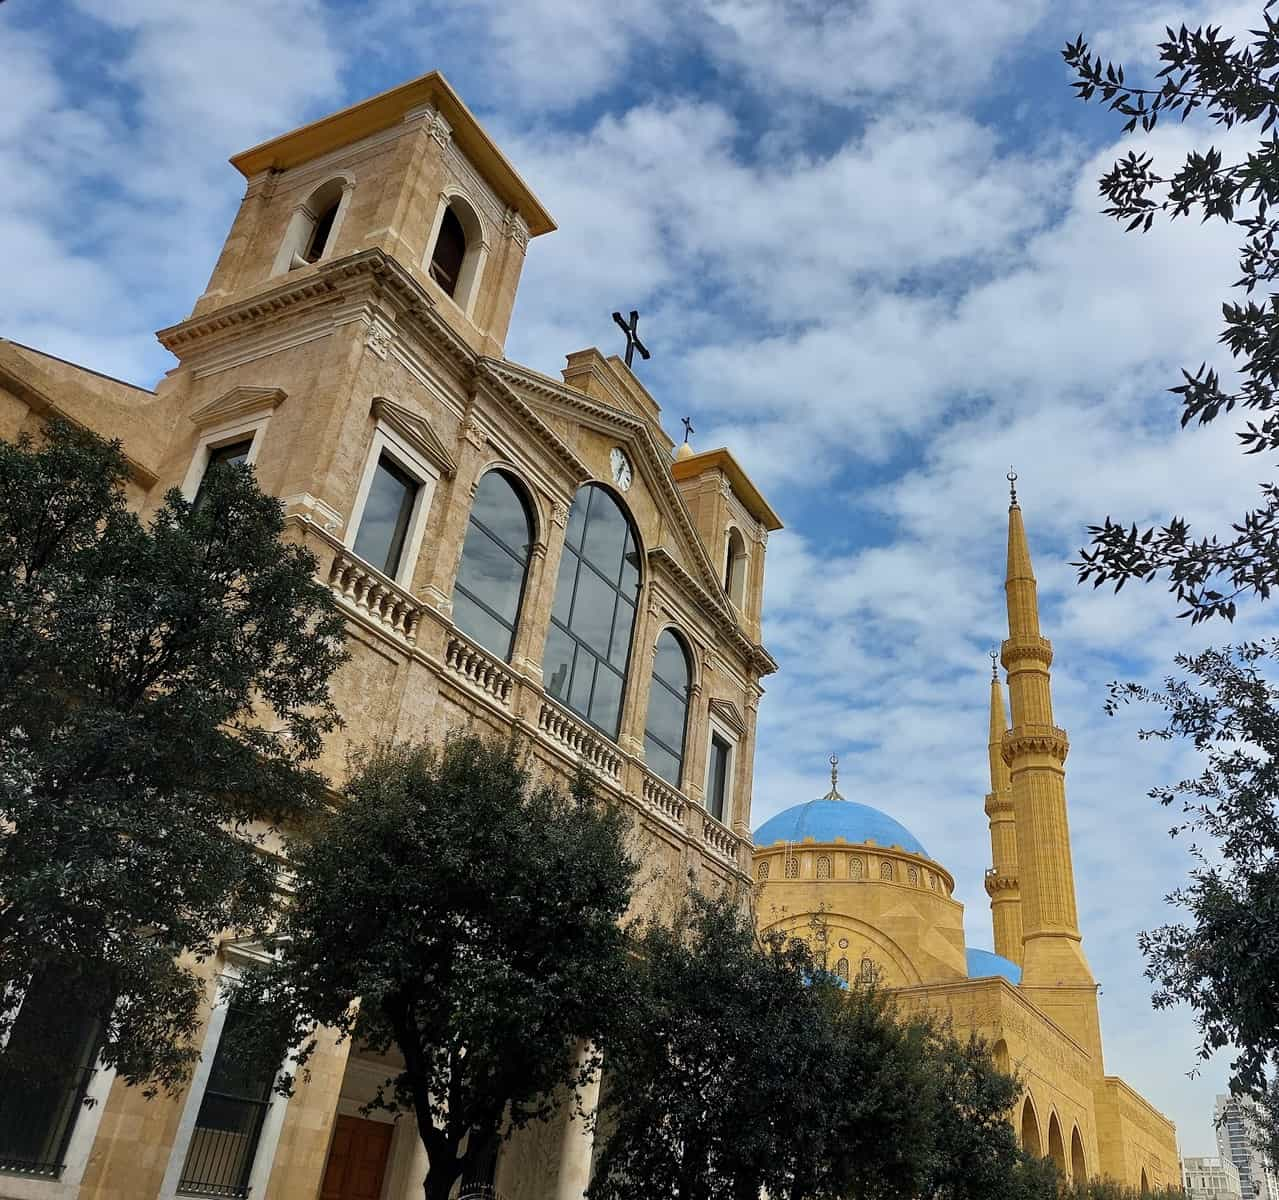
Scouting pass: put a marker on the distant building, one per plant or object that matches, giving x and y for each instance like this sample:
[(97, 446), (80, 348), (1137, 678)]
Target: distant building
[(1239, 1139), (1210, 1178)]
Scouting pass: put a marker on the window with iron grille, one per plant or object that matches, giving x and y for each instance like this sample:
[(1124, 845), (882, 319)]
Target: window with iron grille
[(224, 1143)]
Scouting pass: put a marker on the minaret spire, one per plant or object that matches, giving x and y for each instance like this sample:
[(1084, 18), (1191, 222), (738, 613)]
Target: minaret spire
[(1001, 878), (1054, 968)]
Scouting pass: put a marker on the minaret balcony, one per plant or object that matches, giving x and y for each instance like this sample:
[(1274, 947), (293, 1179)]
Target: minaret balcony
[(1026, 648), (997, 883), (1030, 740)]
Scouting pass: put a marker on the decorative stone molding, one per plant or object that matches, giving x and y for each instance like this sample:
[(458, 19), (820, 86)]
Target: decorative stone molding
[(473, 433), (479, 669), (374, 595), (415, 430), (239, 402), (559, 513), (662, 799), (995, 882), (324, 515), (516, 228), (1035, 739), (580, 741), (438, 127), (730, 714), (379, 339)]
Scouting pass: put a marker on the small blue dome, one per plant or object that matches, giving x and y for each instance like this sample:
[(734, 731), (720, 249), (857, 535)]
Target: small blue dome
[(826, 820), (982, 964)]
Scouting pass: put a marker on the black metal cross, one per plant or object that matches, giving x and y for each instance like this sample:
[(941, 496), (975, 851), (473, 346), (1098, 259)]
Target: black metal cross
[(688, 428), (633, 342)]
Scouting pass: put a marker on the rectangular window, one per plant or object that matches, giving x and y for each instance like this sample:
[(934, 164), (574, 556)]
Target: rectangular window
[(45, 1067), (717, 777), (219, 1160), (385, 520), (230, 455)]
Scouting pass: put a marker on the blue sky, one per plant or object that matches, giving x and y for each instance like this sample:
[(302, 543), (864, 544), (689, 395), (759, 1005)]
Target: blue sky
[(864, 237)]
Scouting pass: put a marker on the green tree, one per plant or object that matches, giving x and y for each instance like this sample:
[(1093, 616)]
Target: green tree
[(456, 912), (746, 1065), (1223, 961), (163, 687), (1232, 82)]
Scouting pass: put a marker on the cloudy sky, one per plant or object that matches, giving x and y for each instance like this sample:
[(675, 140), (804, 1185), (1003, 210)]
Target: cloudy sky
[(865, 240)]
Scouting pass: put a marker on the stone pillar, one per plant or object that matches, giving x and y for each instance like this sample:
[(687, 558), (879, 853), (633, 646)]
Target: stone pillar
[(578, 1144)]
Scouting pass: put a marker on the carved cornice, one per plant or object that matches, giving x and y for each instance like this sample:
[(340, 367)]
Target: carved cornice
[(1023, 740), (1027, 649), (415, 430), (999, 803), (509, 398), (240, 401), (997, 883), (661, 559)]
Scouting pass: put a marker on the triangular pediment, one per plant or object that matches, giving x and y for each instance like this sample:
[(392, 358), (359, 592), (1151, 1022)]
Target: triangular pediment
[(730, 714), (242, 401), (543, 395), (417, 431)]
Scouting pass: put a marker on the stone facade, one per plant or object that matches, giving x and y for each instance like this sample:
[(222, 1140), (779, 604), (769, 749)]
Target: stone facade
[(885, 909), (322, 351)]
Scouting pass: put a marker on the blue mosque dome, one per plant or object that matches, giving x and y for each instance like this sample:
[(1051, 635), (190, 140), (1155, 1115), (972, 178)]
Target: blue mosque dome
[(982, 964), (825, 820)]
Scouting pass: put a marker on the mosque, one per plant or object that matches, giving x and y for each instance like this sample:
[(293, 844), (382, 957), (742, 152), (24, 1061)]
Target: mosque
[(528, 554), (887, 912)]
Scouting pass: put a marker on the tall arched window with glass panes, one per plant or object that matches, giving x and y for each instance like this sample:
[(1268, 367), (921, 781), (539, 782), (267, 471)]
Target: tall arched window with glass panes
[(588, 646), (490, 578), (667, 722)]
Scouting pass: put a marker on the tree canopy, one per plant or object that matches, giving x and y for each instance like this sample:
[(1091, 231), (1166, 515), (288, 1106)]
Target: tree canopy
[(163, 687), (1232, 82), (456, 911), (744, 1064)]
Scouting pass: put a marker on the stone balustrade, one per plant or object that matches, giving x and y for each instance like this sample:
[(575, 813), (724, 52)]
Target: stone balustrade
[(373, 594), (662, 799), (478, 668), (718, 839), (579, 740)]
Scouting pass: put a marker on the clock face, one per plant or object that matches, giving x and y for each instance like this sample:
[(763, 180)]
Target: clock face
[(622, 474)]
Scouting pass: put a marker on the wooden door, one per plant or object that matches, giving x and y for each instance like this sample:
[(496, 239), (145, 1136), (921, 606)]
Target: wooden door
[(357, 1160)]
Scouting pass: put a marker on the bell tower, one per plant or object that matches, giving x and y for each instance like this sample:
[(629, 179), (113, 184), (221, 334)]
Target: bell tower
[(410, 173)]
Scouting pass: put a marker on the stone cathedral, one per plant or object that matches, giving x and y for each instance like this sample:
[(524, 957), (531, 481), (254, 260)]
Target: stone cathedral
[(888, 912), (513, 551)]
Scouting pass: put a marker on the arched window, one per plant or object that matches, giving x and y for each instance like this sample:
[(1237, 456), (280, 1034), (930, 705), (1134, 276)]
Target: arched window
[(1078, 1165), (856, 868), (312, 231), (999, 1052), (457, 252), (866, 972), (913, 875), (885, 870), (841, 969), (450, 250), (735, 568), (490, 578), (1056, 1147), (823, 866), (588, 645), (761, 871), (1145, 1183), (932, 881), (792, 868), (1030, 1131), (667, 720)]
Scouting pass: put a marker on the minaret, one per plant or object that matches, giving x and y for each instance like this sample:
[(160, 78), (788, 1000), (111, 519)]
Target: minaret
[(1001, 879), (1055, 972)]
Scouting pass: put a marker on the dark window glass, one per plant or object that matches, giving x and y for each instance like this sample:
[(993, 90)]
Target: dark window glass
[(594, 610), (225, 1140), (717, 778), (385, 520), (450, 250), (667, 709), (45, 1068), (490, 579), (320, 234), (230, 455)]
